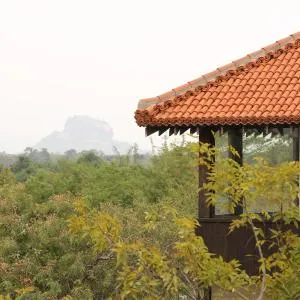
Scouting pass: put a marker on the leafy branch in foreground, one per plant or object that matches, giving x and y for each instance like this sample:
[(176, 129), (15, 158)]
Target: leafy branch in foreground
[(185, 267), (265, 193), (108, 247), (146, 272)]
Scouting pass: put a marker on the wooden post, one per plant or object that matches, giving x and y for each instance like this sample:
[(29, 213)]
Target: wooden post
[(235, 140), (205, 136), (296, 152)]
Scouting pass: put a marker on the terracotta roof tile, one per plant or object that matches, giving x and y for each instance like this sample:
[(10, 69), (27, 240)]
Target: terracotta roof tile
[(261, 88)]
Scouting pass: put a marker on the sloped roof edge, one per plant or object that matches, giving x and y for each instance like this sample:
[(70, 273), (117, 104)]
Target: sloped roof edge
[(148, 108), (209, 77)]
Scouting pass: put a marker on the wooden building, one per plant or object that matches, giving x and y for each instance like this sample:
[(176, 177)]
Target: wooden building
[(257, 93)]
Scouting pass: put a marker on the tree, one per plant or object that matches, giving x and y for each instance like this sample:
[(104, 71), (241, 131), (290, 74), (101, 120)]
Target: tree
[(186, 268), (93, 231), (89, 157), (71, 154)]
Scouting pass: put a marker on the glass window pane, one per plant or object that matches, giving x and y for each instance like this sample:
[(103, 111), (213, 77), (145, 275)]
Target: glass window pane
[(275, 150), (222, 145)]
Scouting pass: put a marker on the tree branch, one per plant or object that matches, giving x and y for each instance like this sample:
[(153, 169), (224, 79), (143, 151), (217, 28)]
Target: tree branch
[(263, 267)]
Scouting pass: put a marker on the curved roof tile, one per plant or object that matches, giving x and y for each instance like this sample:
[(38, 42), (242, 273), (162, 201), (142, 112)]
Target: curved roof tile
[(253, 90)]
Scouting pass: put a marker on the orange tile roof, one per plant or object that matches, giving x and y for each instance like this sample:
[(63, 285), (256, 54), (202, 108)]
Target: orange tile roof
[(261, 88)]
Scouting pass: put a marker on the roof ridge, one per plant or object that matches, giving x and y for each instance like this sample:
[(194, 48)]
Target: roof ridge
[(215, 77)]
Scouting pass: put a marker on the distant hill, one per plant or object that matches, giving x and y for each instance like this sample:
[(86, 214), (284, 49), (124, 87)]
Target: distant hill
[(83, 133)]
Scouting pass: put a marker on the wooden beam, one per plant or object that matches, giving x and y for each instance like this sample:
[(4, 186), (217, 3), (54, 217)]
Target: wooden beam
[(193, 130), (176, 130), (274, 132), (258, 131), (150, 130), (235, 140), (248, 132), (266, 131), (171, 131), (221, 131), (182, 130), (205, 136), (162, 130)]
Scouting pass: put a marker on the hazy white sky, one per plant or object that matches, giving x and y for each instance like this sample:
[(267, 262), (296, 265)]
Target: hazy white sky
[(60, 58)]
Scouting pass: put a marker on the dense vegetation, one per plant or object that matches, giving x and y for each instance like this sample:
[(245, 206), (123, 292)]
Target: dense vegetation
[(82, 226)]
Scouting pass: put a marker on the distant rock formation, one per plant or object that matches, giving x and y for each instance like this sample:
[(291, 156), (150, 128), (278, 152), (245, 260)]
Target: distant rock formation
[(83, 133)]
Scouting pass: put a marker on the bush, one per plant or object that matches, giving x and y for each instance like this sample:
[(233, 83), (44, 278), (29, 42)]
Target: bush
[(93, 229)]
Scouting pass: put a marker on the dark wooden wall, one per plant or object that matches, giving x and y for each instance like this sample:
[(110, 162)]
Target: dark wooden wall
[(239, 244), (214, 229)]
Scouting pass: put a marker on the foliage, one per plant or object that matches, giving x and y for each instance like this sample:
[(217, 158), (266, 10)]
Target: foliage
[(285, 281), (259, 189), (144, 271), (82, 227), (37, 251)]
